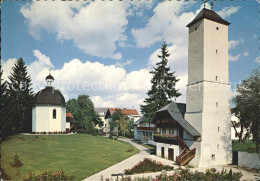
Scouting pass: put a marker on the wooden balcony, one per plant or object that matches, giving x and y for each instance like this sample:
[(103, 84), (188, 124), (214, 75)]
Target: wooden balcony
[(146, 128), (164, 139)]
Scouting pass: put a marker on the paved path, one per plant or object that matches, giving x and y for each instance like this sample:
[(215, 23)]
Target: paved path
[(128, 163)]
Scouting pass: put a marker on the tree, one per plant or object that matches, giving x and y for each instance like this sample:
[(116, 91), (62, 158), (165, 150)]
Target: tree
[(163, 86), (21, 97), (247, 108), (119, 120), (83, 111), (6, 116)]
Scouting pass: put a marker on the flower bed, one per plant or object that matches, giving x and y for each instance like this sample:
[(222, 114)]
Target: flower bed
[(147, 165)]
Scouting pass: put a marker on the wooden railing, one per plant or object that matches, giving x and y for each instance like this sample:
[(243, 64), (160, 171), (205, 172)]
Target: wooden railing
[(184, 151), (181, 143), (146, 128), (185, 158)]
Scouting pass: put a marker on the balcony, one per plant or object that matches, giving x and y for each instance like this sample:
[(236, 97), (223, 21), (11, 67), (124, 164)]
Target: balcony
[(146, 128), (168, 139)]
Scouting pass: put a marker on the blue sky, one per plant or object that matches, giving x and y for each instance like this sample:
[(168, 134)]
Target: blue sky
[(106, 49)]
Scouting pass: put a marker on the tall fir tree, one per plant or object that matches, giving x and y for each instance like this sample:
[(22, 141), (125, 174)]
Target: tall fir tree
[(163, 86), (21, 97), (6, 116)]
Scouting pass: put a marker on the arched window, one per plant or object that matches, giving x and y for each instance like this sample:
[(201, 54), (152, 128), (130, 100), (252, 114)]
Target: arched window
[(54, 114)]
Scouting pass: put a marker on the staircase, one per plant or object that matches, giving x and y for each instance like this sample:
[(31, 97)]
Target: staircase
[(186, 154)]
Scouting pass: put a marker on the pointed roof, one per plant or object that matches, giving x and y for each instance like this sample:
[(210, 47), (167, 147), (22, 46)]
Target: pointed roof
[(175, 113), (210, 15)]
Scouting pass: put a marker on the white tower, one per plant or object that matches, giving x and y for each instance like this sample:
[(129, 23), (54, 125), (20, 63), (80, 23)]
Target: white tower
[(49, 80), (208, 89)]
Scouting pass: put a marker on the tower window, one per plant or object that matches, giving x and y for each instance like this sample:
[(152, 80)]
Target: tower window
[(216, 104), (218, 146), (213, 157), (216, 51), (54, 114), (196, 28), (218, 129), (216, 78), (217, 28)]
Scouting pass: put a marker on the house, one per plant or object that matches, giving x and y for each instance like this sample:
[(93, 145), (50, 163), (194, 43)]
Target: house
[(101, 111), (71, 123), (144, 130), (131, 113), (49, 109), (202, 136)]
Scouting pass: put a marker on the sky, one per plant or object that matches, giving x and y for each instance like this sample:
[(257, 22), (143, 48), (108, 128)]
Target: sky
[(106, 49)]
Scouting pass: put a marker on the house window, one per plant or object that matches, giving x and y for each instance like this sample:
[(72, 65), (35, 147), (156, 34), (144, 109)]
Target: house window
[(216, 51), (216, 104), (213, 157), (217, 28), (216, 78), (54, 114), (196, 28), (218, 146), (218, 129)]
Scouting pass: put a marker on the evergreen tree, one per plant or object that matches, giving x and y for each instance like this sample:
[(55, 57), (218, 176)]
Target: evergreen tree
[(6, 115), (21, 97), (163, 86)]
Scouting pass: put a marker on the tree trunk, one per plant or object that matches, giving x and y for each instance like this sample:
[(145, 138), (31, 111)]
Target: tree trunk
[(241, 132)]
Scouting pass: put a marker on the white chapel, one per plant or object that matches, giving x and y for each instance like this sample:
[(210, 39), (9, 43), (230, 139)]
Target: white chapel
[(49, 110)]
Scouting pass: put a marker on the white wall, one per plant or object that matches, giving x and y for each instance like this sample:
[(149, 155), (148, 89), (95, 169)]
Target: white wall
[(43, 119), (176, 150), (208, 108), (250, 160)]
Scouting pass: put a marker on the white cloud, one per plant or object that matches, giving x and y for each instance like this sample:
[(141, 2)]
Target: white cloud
[(7, 67), (257, 59), (83, 23), (255, 36), (227, 11), (232, 44), (122, 64), (246, 54), (233, 58)]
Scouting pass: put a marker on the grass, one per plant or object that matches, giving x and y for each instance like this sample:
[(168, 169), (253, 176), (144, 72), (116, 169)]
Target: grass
[(79, 155), (150, 147), (246, 146)]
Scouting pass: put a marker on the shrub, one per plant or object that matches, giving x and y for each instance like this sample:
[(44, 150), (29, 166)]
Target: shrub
[(147, 165), (130, 149), (17, 162), (50, 175), (4, 175)]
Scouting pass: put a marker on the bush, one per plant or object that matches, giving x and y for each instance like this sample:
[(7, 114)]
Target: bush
[(130, 149), (4, 175), (51, 175), (147, 165), (17, 162)]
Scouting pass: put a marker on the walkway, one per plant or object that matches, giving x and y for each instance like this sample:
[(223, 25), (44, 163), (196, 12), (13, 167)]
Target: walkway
[(128, 163)]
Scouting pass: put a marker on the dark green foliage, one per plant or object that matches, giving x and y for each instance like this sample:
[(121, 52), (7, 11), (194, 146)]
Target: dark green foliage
[(83, 111), (147, 165), (17, 162), (16, 101), (50, 175), (247, 108), (163, 86)]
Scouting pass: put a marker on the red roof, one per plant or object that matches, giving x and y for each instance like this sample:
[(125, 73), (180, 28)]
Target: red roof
[(124, 111), (69, 115)]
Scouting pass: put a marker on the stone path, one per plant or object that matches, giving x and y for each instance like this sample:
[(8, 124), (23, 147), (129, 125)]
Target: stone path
[(128, 163)]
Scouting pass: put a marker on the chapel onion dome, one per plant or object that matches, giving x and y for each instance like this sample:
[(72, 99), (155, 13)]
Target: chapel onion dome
[(48, 95)]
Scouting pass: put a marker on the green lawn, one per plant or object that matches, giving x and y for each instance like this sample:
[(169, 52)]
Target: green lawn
[(246, 146), (80, 155)]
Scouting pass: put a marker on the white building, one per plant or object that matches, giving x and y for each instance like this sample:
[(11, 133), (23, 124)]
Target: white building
[(203, 135), (144, 130), (101, 111), (49, 110)]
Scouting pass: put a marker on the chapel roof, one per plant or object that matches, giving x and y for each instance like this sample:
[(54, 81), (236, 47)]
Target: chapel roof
[(49, 96)]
